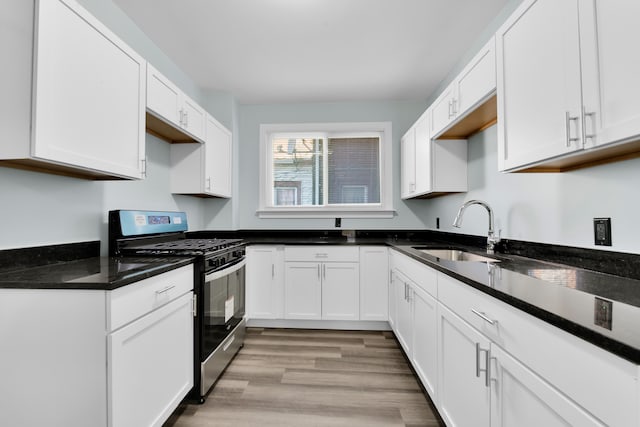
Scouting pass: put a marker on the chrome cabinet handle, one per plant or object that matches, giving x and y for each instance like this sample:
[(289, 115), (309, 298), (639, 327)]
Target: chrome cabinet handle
[(273, 270), (209, 183), (143, 167), (450, 111), (162, 291), (186, 119), (592, 116), (567, 121), (454, 107), (321, 255), (181, 112), (487, 365), (484, 317)]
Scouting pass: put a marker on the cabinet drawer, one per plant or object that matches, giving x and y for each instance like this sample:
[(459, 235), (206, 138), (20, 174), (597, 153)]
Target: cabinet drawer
[(137, 299), (597, 380), (322, 253), (423, 276)]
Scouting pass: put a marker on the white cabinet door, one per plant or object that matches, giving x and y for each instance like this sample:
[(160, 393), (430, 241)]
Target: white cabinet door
[(423, 167), (150, 365), (521, 398), (404, 314), (539, 88), (477, 81), (265, 285), (302, 290), (425, 339), (340, 291), (88, 94), (611, 66), (193, 117), (163, 97), (463, 389), (218, 159), (408, 167), (374, 283), (442, 109), (394, 282)]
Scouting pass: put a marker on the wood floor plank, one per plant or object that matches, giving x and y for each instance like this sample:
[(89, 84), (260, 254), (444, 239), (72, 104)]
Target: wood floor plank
[(291, 377)]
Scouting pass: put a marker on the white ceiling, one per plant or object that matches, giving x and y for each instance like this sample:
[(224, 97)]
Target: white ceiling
[(280, 51)]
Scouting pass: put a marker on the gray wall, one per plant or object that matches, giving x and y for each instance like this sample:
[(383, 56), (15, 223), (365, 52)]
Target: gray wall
[(40, 209), (401, 114), (544, 207)]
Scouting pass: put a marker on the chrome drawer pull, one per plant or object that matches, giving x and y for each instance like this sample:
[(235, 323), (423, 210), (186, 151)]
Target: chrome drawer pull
[(162, 291), (484, 317)]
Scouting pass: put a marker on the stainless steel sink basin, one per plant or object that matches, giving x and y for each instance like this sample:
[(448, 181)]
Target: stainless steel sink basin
[(456, 255)]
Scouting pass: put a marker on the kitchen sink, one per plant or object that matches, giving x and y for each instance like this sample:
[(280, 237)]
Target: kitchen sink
[(455, 255)]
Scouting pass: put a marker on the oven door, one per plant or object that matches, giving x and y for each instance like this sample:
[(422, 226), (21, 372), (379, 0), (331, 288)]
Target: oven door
[(224, 305)]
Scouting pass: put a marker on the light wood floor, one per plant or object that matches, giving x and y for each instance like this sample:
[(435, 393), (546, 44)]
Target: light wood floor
[(293, 377)]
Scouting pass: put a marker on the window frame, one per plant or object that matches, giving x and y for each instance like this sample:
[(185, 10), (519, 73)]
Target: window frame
[(384, 209)]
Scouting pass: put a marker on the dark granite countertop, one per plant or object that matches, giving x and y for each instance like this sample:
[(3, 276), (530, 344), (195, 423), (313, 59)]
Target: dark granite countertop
[(96, 273), (560, 294)]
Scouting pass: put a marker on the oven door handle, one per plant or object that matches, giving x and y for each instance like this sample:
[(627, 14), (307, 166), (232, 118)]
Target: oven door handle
[(225, 271)]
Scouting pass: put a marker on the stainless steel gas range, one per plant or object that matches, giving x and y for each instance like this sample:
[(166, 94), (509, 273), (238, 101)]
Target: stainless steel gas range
[(219, 283)]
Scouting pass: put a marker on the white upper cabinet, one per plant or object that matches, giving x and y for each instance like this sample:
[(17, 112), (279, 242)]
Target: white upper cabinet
[(611, 66), (172, 114), (203, 169), (431, 167), (567, 95), (539, 101), (408, 159), (219, 158), (87, 92), (467, 105)]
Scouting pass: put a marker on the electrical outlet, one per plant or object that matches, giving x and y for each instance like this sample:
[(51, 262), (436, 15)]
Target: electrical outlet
[(603, 313), (602, 231), (338, 222)]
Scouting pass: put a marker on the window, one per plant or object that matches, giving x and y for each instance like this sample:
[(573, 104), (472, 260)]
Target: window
[(326, 170)]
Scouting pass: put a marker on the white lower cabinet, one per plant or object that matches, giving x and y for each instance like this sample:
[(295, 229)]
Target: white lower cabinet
[(77, 358), (340, 291), (302, 290), (327, 290), (404, 313), (338, 283), (425, 337), (485, 363), (150, 365), (463, 395), (374, 283), (321, 283), (265, 282), (521, 398), (413, 316)]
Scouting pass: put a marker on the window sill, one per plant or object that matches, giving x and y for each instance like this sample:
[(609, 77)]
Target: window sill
[(325, 213)]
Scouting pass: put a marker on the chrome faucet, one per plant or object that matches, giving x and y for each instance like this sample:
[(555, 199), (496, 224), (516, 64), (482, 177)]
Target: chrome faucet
[(492, 239)]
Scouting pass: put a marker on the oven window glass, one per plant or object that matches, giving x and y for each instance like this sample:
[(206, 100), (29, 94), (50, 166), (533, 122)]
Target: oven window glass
[(224, 300)]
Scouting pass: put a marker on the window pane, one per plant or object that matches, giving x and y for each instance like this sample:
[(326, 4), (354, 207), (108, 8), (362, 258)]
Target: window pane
[(297, 171), (354, 170)]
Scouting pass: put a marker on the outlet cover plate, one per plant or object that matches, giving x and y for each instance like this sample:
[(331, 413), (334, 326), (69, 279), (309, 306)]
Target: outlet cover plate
[(602, 231)]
